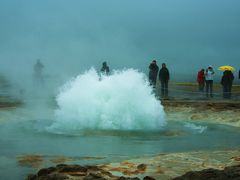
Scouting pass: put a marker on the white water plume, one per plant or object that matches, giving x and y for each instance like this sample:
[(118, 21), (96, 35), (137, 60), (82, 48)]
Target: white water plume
[(121, 101)]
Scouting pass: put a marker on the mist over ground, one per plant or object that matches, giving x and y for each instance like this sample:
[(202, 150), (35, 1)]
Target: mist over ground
[(69, 37)]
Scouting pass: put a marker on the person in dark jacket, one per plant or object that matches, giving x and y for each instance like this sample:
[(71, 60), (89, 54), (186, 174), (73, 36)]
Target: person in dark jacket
[(105, 68), (201, 80), (164, 78), (153, 72), (226, 82)]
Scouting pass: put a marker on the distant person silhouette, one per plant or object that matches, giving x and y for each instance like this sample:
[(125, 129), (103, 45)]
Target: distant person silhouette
[(153, 72), (164, 78), (105, 68), (38, 73)]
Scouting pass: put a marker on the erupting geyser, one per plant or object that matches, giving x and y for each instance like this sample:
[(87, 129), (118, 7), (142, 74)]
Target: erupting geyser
[(121, 101)]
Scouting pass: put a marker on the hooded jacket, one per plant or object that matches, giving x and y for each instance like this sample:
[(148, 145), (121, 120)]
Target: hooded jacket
[(164, 74)]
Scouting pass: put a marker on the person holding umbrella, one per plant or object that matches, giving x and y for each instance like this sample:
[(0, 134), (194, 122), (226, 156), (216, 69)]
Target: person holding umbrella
[(227, 80)]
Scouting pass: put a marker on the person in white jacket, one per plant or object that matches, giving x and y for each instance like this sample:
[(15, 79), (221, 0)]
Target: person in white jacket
[(209, 81)]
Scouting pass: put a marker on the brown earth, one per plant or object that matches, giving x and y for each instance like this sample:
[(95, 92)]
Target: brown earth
[(192, 165), (212, 111)]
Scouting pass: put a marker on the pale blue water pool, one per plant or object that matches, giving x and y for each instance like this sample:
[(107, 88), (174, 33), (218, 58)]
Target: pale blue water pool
[(30, 137)]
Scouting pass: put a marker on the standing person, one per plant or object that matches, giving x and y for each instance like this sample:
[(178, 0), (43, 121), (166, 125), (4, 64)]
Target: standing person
[(38, 73), (201, 80), (164, 78), (105, 69), (226, 82), (209, 81), (153, 72)]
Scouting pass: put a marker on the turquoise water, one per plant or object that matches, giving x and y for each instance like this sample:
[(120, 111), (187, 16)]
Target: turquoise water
[(30, 137)]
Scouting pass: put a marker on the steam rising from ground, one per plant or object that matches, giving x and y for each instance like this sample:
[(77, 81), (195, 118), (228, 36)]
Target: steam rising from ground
[(121, 101)]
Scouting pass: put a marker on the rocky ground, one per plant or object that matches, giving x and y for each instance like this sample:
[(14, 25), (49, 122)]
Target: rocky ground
[(192, 165), (228, 173)]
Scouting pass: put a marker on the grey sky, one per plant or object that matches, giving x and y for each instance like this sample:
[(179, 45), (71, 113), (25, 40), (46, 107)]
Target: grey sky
[(70, 36)]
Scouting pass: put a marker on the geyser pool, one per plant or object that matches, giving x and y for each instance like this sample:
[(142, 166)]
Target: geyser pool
[(121, 101), (117, 118)]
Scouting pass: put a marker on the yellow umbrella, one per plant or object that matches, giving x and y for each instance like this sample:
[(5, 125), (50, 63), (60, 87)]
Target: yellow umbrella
[(226, 68)]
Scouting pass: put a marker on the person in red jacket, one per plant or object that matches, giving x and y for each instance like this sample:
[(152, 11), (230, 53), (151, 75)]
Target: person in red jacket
[(201, 80)]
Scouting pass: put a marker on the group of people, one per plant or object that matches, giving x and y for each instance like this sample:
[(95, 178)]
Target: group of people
[(154, 72), (205, 78), (163, 76)]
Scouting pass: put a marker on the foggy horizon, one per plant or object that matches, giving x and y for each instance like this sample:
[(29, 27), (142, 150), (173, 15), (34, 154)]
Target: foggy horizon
[(70, 37)]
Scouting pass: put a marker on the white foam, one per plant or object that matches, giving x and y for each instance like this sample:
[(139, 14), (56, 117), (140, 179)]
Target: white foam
[(196, 128), (122, 101)]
